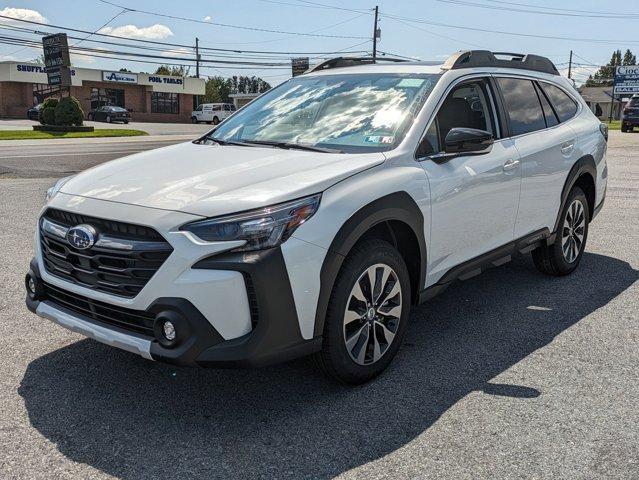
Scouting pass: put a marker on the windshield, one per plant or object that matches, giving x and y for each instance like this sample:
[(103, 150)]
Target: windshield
[(351, 113), (117, 109)]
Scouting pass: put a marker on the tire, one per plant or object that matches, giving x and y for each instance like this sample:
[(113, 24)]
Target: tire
[(623, 129), (107, 119), (90, 117), (216, 120), (194, 120), (126, 122), (563, 256), (349, 321)]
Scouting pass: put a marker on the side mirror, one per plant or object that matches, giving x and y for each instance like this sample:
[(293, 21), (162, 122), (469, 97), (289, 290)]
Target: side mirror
[(468, 140)]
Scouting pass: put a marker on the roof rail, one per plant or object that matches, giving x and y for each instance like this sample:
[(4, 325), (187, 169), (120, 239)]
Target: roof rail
[(339, 62), (486, 58)]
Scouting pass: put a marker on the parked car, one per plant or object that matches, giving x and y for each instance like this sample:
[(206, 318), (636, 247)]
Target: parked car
[(34, 112), (630, 116), (109, 113), (311, 221), (212, 112)]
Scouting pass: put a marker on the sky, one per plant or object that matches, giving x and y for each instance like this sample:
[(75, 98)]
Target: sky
[(424, 29)]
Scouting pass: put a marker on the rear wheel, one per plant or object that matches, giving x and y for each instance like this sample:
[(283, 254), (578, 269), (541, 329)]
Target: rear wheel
[(563, 256), (367, 315), (108, 119), (216, 120)]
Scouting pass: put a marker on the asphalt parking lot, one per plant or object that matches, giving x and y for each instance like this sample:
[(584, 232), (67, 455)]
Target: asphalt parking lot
[(507, 375)]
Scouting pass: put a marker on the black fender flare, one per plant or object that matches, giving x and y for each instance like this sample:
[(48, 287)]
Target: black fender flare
[(585, 164), (398, 206)]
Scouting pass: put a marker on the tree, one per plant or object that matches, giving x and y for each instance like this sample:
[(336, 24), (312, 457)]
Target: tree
[(173, 70), (253, 84), (605, 75), (217, 90), (125, 70)]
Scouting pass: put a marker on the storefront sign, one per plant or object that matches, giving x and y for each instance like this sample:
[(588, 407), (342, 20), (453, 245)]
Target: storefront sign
[(626, 80), (120, 77), (166, 80), (60, 76)]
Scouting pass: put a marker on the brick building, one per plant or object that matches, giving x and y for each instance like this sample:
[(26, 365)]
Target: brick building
[(149, 97)]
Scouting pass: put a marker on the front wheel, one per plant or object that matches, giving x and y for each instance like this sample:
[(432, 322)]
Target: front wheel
[(90, 117), (367, 314), (108, 119), (194, 120), (563, 256), (624, 129)]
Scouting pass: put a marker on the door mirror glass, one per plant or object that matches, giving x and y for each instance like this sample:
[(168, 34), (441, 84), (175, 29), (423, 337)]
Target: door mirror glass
[(468, 140)]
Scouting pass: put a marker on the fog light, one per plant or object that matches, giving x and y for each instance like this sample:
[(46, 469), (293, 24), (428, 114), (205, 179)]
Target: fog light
[(169, 330), (31, 286)]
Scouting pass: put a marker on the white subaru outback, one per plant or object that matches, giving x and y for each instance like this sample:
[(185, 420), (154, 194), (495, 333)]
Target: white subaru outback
[(311, 220)]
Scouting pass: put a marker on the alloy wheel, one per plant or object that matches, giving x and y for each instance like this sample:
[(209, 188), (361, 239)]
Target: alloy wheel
[(572, 235), (372, 314)]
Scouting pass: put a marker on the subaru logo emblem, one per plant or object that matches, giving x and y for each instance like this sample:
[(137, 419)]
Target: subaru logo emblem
[(82, 236)]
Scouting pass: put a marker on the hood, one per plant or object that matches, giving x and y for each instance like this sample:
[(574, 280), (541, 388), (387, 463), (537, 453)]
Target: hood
[(211, 180)]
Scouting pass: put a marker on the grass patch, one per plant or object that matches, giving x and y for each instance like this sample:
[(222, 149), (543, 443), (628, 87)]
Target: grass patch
[(104, 132), (614, 125)]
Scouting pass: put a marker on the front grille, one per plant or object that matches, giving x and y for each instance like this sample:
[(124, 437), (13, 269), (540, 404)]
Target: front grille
[(133, 320), (121, 262)]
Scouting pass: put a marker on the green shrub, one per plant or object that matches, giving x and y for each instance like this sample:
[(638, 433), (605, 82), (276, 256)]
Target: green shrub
[(68, 112), (47, 112)]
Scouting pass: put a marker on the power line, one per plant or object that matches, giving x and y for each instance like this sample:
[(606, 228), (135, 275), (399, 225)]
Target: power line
[(540, 7), (501, 7), (166, 44), (516, 34), (432, 33), (228, 25)]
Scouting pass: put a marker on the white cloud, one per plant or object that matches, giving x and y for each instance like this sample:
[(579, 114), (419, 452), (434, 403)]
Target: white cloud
[(154, 32), (207, 18), (23, 14)]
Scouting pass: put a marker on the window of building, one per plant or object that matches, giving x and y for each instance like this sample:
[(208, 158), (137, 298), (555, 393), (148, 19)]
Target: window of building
[(106, 96), (162, 102), (43, 91), (522, 104), (565, 106)]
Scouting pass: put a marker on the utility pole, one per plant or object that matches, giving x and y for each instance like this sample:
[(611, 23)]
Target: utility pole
[(375, 34), (570, 65), (197, 67)]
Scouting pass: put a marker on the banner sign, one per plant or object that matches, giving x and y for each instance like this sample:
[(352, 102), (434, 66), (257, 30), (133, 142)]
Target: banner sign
[(56, 59), (120, 77), (299, 65), (626, 80)]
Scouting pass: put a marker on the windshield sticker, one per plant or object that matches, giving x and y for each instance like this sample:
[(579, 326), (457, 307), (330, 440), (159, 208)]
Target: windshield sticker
[(411, 82), (379, 138)]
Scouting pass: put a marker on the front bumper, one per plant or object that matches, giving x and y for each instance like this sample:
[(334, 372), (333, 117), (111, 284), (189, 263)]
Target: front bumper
[(275, 337)]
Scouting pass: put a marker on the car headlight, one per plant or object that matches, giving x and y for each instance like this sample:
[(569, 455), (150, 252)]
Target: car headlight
[(56, 188), (261, 228)]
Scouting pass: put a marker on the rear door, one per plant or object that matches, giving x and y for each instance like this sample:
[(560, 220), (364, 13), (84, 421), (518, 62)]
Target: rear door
[(545, 145), (473, 198)]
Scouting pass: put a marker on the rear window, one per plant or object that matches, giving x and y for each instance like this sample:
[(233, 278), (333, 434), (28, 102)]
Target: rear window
[(522, 104), (565, 106)]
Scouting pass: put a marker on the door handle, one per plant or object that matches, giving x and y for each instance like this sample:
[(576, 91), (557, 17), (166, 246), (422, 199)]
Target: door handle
[(567, 148), (510, 165)]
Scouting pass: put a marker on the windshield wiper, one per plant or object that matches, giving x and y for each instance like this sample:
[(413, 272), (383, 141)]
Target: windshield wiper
[(228, 142), (295, 146)]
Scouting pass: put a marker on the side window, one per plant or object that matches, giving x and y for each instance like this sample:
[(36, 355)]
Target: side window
[(217, 108), (522, 105), (199, 108), (565, 106), (468, 105), (549, 114)]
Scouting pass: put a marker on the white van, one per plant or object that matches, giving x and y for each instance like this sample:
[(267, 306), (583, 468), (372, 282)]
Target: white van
[(212, 112)]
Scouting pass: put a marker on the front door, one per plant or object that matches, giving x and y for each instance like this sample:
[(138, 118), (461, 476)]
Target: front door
[(474, 199)]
